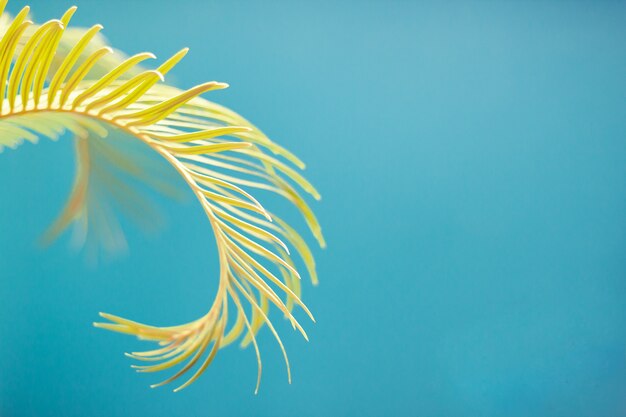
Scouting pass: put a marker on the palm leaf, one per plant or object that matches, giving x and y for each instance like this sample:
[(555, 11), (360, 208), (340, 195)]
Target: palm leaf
[(47, 90)]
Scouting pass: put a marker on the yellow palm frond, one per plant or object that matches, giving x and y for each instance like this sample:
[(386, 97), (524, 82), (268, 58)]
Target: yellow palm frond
[(47, 90)]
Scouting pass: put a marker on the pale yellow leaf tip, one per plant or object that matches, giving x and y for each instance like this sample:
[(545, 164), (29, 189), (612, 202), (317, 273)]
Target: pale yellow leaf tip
[(58, 22), (158, 74)]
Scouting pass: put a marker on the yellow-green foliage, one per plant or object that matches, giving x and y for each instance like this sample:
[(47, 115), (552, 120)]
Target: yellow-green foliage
[(54, 79)]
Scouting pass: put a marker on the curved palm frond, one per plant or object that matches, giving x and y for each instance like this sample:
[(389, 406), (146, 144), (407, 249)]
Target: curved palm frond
[(217, 152)]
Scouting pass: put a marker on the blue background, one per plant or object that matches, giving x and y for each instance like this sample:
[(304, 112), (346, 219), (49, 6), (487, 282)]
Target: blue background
[(472, 162)]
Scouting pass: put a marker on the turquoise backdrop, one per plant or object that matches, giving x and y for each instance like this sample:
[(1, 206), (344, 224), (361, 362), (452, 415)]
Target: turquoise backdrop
[(472, 162)]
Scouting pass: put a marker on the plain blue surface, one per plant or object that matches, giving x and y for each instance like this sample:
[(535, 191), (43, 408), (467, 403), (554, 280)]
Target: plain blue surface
[(472, 162)]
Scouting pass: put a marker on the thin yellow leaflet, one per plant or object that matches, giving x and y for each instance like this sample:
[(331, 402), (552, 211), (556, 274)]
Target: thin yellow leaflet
[(47, 33), (123, 89), (82, 72), (203, 134), (70, 60), (206, 149), (113, 75)]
